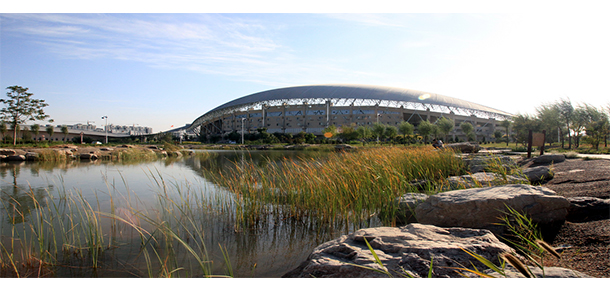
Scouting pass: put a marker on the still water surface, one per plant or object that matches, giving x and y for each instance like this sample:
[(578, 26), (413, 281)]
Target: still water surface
[(269, 249)]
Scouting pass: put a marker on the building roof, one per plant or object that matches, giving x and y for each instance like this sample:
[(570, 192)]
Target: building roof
[(355, 92)]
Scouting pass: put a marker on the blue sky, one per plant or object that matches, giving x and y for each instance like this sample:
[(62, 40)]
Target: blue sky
[(159, 70)]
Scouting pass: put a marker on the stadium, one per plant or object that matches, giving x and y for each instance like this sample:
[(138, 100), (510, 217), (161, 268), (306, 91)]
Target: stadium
[(313, 108)]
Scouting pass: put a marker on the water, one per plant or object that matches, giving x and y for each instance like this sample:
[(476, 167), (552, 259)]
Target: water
[(268, 248)]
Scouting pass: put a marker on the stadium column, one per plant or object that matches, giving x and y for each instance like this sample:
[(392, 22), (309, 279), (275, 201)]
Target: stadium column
[(328, 113)]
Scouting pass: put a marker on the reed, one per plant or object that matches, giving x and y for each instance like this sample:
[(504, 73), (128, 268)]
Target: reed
[(343, 186)]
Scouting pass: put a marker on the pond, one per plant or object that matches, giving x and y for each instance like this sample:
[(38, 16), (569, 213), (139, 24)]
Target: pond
[(175, 201)]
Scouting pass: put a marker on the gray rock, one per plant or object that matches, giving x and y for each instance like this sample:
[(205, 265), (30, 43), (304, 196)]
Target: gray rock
[(464, 147), (31, 156), (583, 209), (408, 249), (489, 163), (482, 207), (406, 207), (549, 272), (7, 152), (538, 174), (480, 179), (550, 158), (15, 157), (88, 156)]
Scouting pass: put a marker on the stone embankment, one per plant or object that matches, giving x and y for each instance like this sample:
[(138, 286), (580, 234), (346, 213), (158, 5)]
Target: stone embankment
[(463, 215), (87, 153)]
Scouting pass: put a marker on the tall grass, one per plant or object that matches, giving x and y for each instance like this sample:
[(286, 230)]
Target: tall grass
[(70, 234), (343, 186)]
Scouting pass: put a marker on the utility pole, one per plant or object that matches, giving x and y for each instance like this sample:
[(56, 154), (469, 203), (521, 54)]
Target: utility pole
[(242, 130), (106, 128)]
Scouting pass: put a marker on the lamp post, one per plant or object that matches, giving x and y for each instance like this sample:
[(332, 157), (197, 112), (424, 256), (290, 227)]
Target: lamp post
[(106, 128), (242, 130)]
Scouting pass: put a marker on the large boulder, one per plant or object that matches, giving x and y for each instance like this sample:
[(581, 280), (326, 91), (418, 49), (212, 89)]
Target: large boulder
[(480, 179), (549, 272), (489, 163), (16, 157), (408, 249), (464, 147), (7, 152), (406, 203), (538, 174), (549, 158), (482, 207), (583, 209)]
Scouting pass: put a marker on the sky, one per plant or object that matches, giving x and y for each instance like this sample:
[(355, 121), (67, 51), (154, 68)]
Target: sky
[(159, 66)]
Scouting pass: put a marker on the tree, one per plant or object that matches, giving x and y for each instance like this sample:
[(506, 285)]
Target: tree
[(445, 126), (566, 112), (425, 129), (405, 128), (20, 107), (363, 133), (506, 125), (36, 129), (50, 129), (3, 129), (64, 130), (378, 130), (550, 120), (390, 132), (468, 130)]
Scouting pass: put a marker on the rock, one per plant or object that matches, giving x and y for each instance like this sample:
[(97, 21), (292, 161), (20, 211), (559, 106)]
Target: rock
[(549, 158), (410, 247), (538, 174), (482, 207), (480, 179), (106, 149), (583, 209), (152, 147), (406, 208), (489, 163), (7, 152), (88, 156), (31, 156), (344, 147), (464, 147), (549, 272), (15, 157)]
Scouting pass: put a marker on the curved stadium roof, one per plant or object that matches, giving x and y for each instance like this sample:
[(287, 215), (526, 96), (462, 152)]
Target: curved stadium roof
[(337, 92)]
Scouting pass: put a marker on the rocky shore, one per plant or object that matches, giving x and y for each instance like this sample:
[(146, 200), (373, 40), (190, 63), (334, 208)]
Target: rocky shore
[(568, 198)]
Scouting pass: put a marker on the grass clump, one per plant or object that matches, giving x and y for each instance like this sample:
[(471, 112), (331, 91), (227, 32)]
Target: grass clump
[(351, 186)]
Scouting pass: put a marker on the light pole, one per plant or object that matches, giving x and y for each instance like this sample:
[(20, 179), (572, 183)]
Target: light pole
[(106, 118), (242, 130)]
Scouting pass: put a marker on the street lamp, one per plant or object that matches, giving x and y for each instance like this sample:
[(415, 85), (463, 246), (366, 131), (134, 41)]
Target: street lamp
[(242, 130), (106, 118)]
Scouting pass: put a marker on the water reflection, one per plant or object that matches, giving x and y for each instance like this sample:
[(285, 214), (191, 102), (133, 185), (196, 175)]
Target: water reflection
[(170, 190)]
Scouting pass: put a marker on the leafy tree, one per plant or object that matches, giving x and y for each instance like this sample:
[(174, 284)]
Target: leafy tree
[(425, 128), (566, 112), (506, 125), (445, 126), (550, 120), (390, 132), (405, 128), (468, 130), (50, 129), (521, 126), (64, 130), (348, 133), (3, 129), (597, 130), (36, 129), (20, 107), (363, 133), (379, 130)]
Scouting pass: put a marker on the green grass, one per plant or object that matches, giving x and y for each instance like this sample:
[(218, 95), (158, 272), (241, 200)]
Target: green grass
[(343, 186)]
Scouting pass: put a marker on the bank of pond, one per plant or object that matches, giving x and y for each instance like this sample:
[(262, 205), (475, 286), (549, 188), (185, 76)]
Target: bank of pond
[(209, 213)]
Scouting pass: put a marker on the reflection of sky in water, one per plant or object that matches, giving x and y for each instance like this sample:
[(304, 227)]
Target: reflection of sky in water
[(275, 247)]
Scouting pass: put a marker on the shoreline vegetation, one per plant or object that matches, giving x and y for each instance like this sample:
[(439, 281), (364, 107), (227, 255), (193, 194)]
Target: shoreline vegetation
[(61, 230)]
